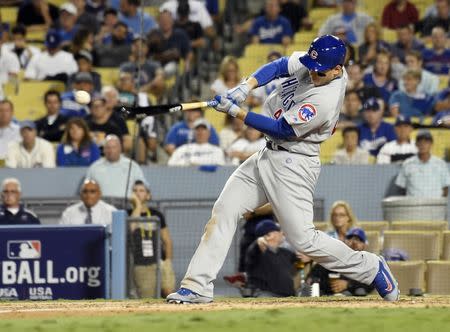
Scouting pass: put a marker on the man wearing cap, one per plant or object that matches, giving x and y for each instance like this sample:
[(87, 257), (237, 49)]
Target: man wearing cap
[(333, 283), (85, 61), (270, 262), (424, 175), (374, 132), (395, 152), (53, 63), (70, 107), (32, 151), (199, 153), (67, 23)]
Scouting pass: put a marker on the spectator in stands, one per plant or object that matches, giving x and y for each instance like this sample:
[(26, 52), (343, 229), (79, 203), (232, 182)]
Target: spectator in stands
[(32, 151), (342, 220), (229, 76), (115, 48), (148, 74), (109, 19), (77, 147), (182, 132), (357, 240), (381, 77), (143, 246), (70, 107), (372, 45), (442, 108), (84, 61), (169, 45), (193, 29), (268, 253), (9, 67), (37, 15), (19, 46), (272, 28), (395, 152), (437, 59), (51, 127), (374, 132), (432, 10), (405, 42), (115, 166), (91, 209), (199, 153), (424, 175), (53, 63), (128, 95), (411, 102), (354, 22), (429, 83), (83, 40), (355, 76), (341, 33), (232, 130), (442, 19), (398, 13), (242, 148), (85, 19), (351, 154), (350, 115), (131, 15), (297, 15), (67, 23), (9, 131), (11, 211), (102, 124)]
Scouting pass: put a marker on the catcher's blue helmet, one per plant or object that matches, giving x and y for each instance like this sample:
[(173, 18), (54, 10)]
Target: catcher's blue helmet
[(325, 52)]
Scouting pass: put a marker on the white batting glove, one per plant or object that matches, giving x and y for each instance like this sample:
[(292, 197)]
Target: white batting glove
[(225, 105), (239, 93)]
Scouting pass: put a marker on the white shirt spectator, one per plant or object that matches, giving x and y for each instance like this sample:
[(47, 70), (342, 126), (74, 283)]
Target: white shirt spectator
[(42, 155), (197, 154), (226, 137), (197, 12), (44, 64), (8, 134), (359, 157), (244, 145), (9, 65), (357, 25), (26, 56), (77, 214), (395, 153)]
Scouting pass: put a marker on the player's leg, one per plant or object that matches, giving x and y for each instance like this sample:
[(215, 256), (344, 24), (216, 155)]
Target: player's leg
[(242, 193), (290, 181)]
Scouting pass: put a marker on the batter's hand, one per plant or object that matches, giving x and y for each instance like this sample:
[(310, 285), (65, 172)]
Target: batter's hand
[(239, 93), (226, 106)]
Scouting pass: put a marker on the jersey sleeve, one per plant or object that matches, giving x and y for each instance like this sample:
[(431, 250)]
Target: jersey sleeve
[(294, 63)]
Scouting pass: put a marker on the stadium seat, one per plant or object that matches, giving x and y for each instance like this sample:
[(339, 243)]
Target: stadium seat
[(36, 36), (443, 81), (438, 273), (329, 147), (304, 37), (57, 2), (248, 66), (389, 35), (152, 11), (322, 225), (410, 274), (320, 15), (9, 14), (260, 51), (419, 245), (298, 46), (419, 226), (374, 238), (216, 119), (379, 226), (109, 74), (446, 249)]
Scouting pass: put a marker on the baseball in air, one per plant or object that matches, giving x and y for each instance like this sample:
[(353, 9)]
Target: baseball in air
[(82, 97)]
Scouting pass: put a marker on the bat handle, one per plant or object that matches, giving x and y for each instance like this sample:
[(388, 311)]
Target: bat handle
[(212, 103)]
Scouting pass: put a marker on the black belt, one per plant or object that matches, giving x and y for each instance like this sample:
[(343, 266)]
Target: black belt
[(270, 146)]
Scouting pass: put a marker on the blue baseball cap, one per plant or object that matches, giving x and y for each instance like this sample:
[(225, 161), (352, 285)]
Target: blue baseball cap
[(52, 39), (266, 226), (27, 124), (371, 104), (358, 232), (402, 119)]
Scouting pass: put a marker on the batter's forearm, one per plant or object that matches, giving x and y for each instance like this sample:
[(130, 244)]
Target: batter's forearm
[(271, 71)]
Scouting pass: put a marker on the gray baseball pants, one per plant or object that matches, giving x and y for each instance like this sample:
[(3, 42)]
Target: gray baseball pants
[(287, 181)]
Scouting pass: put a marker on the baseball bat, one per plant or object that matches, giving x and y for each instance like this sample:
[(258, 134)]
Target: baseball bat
[(165, 109)]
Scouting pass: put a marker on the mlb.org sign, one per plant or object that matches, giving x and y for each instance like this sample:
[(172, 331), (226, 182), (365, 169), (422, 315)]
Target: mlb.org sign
[(40, 263)]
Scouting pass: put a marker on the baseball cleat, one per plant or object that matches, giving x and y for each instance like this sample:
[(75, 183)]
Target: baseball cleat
[(385, 283), (186, 296)]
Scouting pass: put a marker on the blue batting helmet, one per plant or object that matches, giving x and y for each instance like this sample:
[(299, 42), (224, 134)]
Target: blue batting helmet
[(325, 52)]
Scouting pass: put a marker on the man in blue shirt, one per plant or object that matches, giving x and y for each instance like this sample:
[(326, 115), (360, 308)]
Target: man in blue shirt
[(442, 107), (131, 16), (182, 132), (271, 28), (437, 59), (374, 132)]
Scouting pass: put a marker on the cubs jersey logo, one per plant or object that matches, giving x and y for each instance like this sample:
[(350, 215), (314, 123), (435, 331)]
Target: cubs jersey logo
[(307, 112), (314, 54)]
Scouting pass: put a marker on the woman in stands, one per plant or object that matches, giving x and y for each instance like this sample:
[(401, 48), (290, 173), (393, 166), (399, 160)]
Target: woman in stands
[(372, 45), (77, 147), (229, 76), (342, 220)]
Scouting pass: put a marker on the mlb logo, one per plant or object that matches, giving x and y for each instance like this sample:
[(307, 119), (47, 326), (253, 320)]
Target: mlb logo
[(307, 112), (24, 249)]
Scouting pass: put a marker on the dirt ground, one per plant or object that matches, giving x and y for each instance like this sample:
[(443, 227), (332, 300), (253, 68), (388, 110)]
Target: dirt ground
[(48, 309)]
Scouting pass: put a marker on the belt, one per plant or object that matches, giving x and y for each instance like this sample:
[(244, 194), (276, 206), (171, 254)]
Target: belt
[(271, 146)]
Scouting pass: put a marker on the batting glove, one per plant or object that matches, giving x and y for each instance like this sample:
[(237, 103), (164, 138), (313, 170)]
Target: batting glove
[(239, 93), (225, 105)]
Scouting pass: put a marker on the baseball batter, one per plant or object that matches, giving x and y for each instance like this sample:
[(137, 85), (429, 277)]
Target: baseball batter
[(300, 114)]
